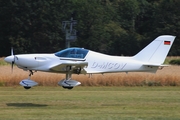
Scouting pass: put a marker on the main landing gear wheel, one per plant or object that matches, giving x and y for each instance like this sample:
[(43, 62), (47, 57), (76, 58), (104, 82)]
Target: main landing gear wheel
[(67, 83), (68, 87)]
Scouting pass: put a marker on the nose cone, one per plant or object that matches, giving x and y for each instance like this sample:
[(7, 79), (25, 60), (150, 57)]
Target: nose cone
[(9, 59)]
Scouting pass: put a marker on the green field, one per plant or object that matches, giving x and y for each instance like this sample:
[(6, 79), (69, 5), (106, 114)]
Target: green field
[(87, 103)]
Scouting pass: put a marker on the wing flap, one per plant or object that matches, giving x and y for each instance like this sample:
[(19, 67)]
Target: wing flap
[(74, 65)]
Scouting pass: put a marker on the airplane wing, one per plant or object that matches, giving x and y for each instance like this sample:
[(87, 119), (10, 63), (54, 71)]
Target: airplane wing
[(76, 67)]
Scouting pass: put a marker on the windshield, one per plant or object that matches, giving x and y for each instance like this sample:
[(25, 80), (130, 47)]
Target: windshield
[(72, 53)]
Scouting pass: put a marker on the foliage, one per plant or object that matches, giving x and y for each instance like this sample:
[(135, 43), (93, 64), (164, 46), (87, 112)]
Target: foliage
[(175, 62), (2, 62), (118, 27)]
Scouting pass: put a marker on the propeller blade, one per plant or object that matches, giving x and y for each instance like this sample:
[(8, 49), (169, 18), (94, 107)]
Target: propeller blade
[(12, 64), (12, 53)]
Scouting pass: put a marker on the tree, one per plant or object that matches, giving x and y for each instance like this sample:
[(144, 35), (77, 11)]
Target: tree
[(110, 26), (167, 21), (92, 17)]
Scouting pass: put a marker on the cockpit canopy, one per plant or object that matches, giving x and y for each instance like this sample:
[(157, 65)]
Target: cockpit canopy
[(72, 53)]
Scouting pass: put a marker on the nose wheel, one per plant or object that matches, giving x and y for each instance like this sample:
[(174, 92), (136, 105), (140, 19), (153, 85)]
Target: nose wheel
[(28, 83)]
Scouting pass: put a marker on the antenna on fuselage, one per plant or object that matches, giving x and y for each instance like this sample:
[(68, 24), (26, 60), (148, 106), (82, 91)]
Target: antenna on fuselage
[(67, 27)]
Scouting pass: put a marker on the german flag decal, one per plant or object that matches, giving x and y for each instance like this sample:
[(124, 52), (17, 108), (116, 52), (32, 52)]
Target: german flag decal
[(167, 42)]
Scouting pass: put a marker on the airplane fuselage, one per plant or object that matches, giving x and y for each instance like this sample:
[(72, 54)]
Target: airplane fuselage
[(97, 63)]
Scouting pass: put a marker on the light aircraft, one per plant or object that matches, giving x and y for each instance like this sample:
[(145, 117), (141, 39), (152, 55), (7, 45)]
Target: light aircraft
[(83, 61)]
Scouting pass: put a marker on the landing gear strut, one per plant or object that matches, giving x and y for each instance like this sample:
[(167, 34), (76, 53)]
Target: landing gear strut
[(31, 73), (68, 78), (67, 83)]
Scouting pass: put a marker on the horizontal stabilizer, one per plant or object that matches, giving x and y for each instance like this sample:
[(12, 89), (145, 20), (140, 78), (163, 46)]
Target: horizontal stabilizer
[(155, 65)]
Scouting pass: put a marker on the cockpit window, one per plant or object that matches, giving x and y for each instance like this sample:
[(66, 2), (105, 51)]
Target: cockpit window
[(72, 53)]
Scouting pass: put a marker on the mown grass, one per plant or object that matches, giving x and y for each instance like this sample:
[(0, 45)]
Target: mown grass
[(87, 103)]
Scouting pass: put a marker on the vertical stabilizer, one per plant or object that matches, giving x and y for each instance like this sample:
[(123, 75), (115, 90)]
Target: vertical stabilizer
[(156, 51)]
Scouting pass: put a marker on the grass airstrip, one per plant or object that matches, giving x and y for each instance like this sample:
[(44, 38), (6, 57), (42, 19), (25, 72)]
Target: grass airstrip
[(87, 103), (120, 96)]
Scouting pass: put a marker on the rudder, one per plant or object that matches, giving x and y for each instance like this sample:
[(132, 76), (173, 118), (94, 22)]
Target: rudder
[(156, 51)]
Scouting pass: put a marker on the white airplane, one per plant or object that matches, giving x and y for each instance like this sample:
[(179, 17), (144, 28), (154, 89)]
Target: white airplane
[(82, 61)]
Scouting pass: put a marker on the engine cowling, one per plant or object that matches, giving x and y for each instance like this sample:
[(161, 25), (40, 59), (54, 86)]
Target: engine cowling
[(27, 83), (69, 84)]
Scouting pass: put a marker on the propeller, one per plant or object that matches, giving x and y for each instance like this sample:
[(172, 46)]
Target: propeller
[(12, 59), (12, 64), (12, 52)]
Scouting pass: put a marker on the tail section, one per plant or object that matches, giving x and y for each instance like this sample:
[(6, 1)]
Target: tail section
[(156, 51)]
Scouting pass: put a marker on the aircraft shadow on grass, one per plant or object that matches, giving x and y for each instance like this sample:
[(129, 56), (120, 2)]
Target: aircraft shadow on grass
[(26, 105)]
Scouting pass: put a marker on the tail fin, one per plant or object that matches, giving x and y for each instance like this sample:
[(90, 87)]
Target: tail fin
[(156, 51)]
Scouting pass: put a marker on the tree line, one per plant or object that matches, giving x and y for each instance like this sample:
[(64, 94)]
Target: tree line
[(116, 27)]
